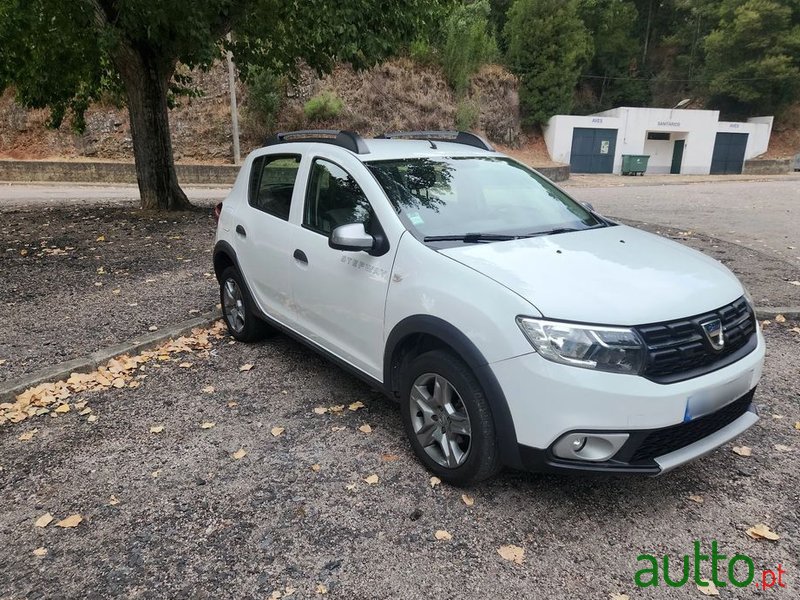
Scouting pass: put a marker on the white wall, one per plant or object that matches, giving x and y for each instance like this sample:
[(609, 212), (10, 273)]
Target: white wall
[(558, 133), (697, 127), (758, 129)]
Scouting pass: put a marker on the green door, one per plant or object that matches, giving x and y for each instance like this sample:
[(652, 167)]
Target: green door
[(677, 157)]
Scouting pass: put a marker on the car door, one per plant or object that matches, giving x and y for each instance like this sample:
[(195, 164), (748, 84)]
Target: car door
[(339, 296), (265, 236)]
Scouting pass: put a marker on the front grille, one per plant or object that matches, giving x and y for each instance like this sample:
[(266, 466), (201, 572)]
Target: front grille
[(678, 350), (663, 441)]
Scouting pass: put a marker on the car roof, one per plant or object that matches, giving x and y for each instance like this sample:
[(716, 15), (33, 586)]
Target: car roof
[(397, 149)]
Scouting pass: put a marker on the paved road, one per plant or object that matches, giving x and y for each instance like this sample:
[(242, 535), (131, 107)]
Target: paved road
[(763, 215), (14, 195)]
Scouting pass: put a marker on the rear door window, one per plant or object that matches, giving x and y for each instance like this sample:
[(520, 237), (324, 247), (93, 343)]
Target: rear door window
[(272, 182)]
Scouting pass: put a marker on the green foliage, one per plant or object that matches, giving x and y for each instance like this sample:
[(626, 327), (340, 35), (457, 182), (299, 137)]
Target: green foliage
[(753, 56), (265, 92), (323, 107), (612, 75), (421, 52), (467, 113), (468, 43), (548, 46)]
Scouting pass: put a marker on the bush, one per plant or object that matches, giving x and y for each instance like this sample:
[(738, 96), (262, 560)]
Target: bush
[(421, 52), (468, 43), (548, 46), (323, 107), (265, 92), (467, 113)]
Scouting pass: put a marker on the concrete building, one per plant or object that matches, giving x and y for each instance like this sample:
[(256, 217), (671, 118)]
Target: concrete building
[(677, 140)]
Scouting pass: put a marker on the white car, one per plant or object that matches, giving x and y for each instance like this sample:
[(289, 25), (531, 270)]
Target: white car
[(514, 326)]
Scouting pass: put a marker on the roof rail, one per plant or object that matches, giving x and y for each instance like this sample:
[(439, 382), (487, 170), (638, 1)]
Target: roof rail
[(456, 137), (344, 139)]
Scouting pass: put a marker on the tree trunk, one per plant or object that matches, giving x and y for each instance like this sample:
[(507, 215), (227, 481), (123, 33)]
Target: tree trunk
[(146, 81)]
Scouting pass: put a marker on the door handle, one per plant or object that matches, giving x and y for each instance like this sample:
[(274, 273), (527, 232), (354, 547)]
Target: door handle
[(240, 230), (300, 256)]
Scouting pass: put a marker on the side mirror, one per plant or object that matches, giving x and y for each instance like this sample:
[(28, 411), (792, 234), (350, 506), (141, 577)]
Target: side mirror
[(351, 237)]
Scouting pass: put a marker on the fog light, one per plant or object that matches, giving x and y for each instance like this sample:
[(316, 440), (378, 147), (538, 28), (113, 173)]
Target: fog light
[(595, 447)]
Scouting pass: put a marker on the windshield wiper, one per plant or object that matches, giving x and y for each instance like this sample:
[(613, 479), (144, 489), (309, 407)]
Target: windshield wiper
[(554, 231), (471, 238)]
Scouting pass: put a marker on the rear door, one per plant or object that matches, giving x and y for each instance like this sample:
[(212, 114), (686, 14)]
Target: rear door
[(339, 297), (264, 236), (593, 150)]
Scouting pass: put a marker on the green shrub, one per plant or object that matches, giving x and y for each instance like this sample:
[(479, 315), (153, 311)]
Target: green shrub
[(265, 91), (467, 113), (468, 43), (548, 46), (421, 52), (323, 107)]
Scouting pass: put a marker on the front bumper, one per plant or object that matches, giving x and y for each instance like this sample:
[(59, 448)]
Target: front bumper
[(667, 424)]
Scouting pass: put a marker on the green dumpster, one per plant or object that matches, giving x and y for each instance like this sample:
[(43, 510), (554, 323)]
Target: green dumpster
[(634, 164)]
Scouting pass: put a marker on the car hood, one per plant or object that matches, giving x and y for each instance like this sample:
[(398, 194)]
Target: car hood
[(613, 275)]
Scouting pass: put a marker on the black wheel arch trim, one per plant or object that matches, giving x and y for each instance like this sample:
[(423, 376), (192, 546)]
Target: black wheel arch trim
[(472, 356)]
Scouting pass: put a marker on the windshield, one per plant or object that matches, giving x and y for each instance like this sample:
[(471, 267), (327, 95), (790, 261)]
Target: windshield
[(490, 196)]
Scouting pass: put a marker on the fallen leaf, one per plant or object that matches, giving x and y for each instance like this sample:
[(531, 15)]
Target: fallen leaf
[(245, 367), (40, 552), (207, 424), (351, 486), (709, 589), (765, 323), (113, 500), (156, 428), (322, 589), (794, 283), (365, 428), (186, 365), (762, 531), (92, 418), (23, 252), (743, 450), (155, 473), (239, 454), (356, 405), (797, 425), (85, 411), (44, 520), (316, 467), (696, 498), (372, 479), (116, 292), (276, 431), (62, 408), (468, 500), (101, 238), (614, 596), (441, 534), (209, 389), (70, 521), (337, 428), (512, 553), (780, 319), (28, 435), (389, 457), (336, 409), (232, 404), (783, 448), (435, 481), (152, 328), (795, 330), (320, 410)]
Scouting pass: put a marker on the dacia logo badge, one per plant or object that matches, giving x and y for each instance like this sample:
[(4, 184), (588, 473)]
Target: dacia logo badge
[(714, 333)]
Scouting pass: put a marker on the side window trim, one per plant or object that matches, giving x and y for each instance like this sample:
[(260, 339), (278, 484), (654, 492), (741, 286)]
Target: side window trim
[(314, 160), (256, 175)]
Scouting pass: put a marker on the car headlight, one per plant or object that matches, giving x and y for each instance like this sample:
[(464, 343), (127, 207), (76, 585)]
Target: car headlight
[(613, 349)]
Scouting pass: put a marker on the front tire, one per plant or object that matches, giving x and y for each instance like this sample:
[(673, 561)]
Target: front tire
[(448, 420), (238, 308)]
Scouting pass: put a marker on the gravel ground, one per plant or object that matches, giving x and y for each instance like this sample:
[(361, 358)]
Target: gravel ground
[(79, 279), (192, 521)]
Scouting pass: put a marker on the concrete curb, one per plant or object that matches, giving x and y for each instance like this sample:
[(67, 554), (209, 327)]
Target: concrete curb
[(770, 312), (85, 364), (90, 362)]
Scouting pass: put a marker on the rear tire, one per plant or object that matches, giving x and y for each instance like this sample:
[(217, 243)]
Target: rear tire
[(238, 308), (448, 420)]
